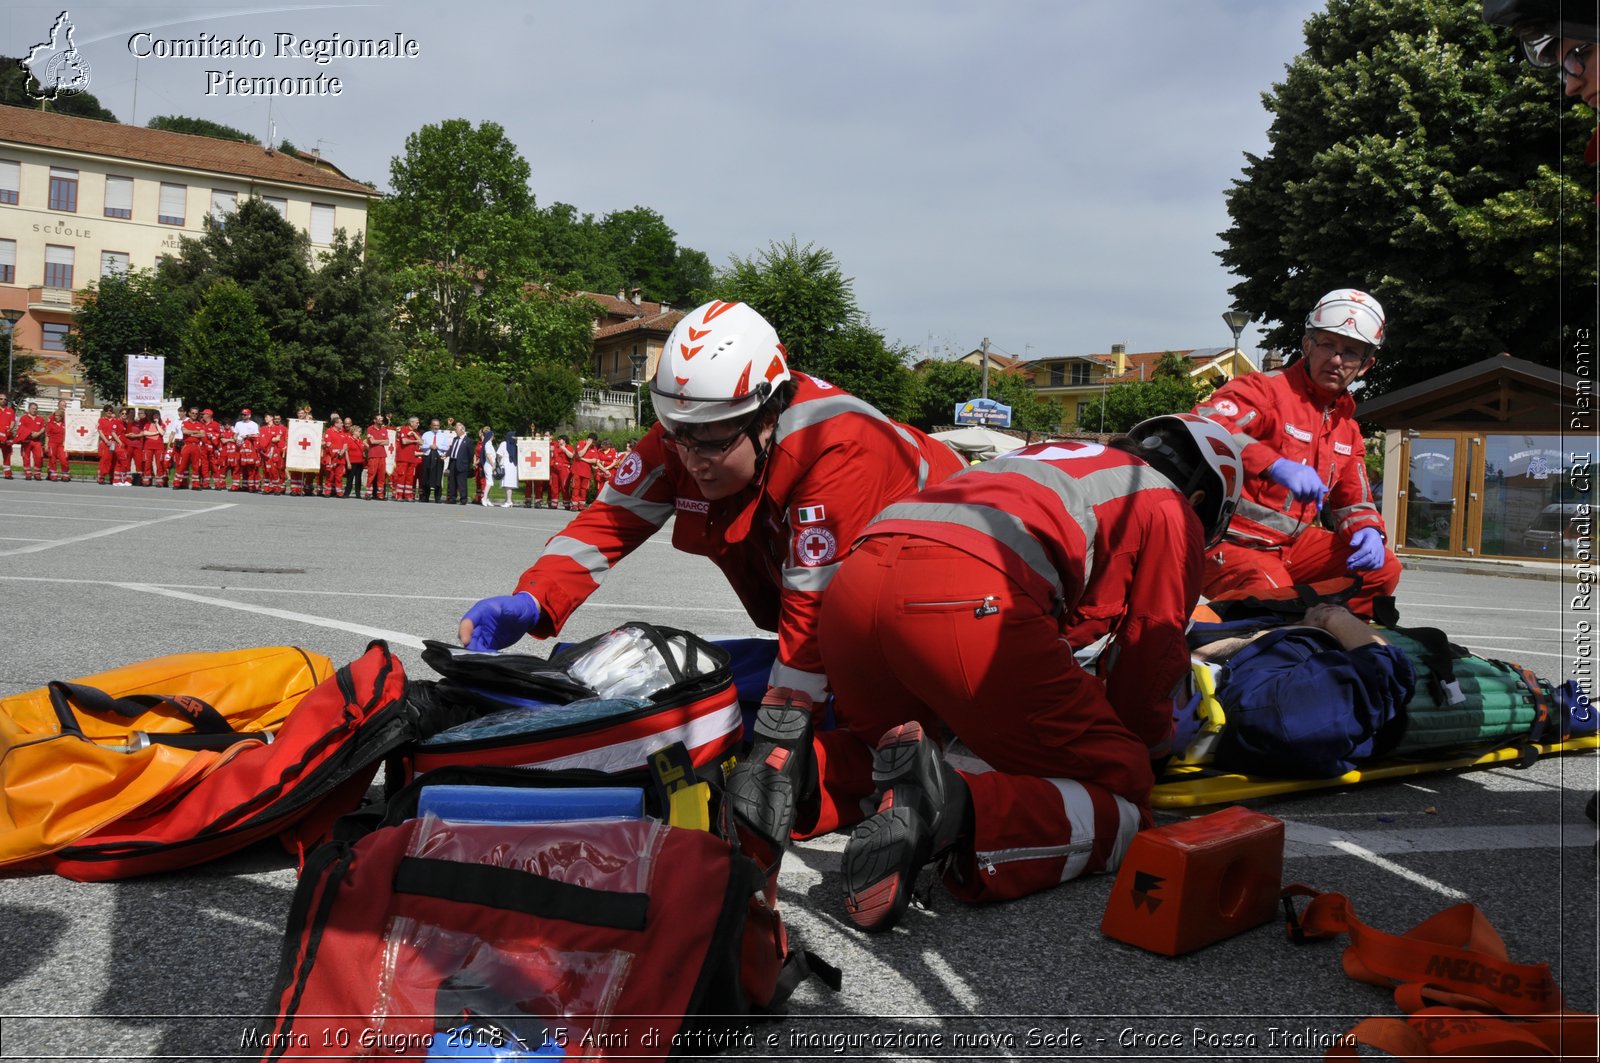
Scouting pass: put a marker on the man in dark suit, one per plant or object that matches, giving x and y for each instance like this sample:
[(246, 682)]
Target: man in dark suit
[(459, 459)]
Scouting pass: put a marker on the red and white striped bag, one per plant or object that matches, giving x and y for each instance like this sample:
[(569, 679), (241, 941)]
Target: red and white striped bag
[(547, 719)]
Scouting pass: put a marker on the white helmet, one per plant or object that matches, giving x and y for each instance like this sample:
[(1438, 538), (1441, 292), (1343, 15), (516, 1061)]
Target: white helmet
[(1349, 313), (1177, 437), (722, 360)]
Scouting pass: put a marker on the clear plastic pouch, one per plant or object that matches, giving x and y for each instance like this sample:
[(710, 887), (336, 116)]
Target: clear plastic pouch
[(518, 996), (519, 991), (536, 718), (627, 663), (608, 854)]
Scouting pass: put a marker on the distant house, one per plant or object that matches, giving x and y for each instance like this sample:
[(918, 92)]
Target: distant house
[(1072, 380), (629, 336), (998, 363), (80, 199)]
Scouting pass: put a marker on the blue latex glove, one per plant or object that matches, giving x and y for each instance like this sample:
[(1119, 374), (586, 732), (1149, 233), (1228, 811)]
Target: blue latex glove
[(498, 622), (1301, 480), (1367, 545)]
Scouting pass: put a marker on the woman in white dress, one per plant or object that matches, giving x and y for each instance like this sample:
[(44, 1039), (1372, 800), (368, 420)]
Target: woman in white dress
[(500, 467)]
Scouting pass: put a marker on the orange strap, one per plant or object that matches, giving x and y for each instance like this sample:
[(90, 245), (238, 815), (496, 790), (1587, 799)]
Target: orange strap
[(1464, 997)]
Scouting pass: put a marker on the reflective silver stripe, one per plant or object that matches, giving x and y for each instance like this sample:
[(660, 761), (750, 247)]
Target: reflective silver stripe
[(1269, 518), (588, 557), (805, 414), (986, 520), (807, 578), (922, 473), (813, 683), (1342, 517), (1081, 493), (654, 512)]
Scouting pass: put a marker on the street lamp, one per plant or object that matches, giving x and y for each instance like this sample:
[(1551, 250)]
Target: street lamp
[(638, 360), (12, 316), (382, 372), (1236, 320)]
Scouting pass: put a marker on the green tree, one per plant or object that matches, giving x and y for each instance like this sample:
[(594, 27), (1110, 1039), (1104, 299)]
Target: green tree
[(545, 394), (940, 386), (227, 359), (572, 250), (125, 313), (263, 252), (1125, 405), (14, 93), (458, 233), (1415, 157), (200, 127), (811, 303), (348, 331), (433, 384)]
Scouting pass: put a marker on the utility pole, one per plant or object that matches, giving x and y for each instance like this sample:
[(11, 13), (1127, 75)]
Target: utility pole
[(986, 367)]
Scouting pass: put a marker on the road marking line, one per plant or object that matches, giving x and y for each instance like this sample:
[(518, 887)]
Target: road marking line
[(1310, 841), (397, 637), (1404, 872), (360, 594), (94, 505), (20, 539), (51, 545), (57, 516)]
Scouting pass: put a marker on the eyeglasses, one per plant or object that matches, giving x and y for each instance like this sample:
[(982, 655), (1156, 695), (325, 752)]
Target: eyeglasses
[(704, 449), (1347, 352), (1545, 53)]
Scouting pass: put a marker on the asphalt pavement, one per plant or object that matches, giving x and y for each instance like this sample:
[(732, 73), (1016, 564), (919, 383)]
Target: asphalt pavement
[(179, 966)]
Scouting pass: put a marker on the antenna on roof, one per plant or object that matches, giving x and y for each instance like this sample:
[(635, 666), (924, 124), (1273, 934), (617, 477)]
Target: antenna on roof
[(272, 129)]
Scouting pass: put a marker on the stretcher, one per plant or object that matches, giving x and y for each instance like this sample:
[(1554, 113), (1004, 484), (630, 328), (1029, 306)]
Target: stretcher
[(1194, 785), (1190, 782)]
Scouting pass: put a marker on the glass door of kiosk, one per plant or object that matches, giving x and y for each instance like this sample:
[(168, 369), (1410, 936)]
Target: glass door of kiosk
[(1434, 503)]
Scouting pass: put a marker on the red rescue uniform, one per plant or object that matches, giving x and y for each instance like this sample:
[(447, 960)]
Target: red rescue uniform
[(8, 427), (108, 437), (1275, 541), (377, 460), (193, 465), (833, 463), (55, 447), (962, 606), (555, 488), (30, 433), (407, 456), (581, 474)]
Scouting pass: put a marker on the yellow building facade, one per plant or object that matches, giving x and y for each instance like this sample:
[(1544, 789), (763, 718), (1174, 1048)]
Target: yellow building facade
[(80, 199)]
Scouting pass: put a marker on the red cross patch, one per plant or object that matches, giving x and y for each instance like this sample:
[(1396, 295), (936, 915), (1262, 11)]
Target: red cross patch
[(815, 546), (145, 381)]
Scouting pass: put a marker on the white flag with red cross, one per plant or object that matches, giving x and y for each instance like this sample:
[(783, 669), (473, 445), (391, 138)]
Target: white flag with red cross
[(304, 446), (83, 431), (147, 374), (533, 458)]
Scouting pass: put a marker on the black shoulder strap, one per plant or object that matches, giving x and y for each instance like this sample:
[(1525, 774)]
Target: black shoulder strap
[(64, 696)]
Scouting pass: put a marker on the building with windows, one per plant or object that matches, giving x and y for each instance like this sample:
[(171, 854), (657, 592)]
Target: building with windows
[(629, 336), (1492, 460), (80, 199), (1075, 379)]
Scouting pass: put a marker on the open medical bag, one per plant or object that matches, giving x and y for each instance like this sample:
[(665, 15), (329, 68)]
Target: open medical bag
[(604, 704), (443, 937), (172, 762)]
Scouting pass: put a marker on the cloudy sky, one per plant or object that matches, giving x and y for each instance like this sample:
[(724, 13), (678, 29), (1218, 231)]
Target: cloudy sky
[(1047, 174)]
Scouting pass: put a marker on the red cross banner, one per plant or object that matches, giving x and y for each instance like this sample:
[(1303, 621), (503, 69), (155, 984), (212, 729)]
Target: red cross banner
[(388, 458), (83, 431), (533, 458), (305, 446), (147, 375)]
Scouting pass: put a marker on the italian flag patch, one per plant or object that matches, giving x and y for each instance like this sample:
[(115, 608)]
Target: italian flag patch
[(809, 515)]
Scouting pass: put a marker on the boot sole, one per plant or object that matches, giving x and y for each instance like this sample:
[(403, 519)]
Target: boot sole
[(880, 868), (761, 793)]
